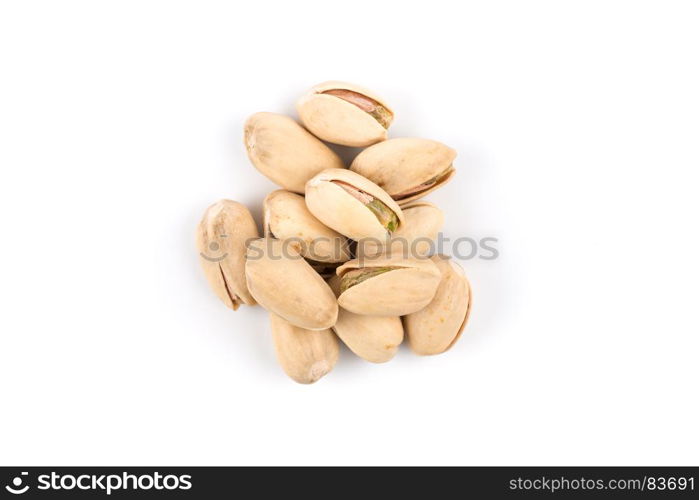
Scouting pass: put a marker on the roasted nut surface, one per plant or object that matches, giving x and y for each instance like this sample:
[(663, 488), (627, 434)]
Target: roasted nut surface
[(285, 152), (284, 283), (286, 217), (304, 355), (438, 326), (415, 238), (389, 285), (352, 205), (406, 168), (373, 338), (221, 237), (344, 113), (345, 251)]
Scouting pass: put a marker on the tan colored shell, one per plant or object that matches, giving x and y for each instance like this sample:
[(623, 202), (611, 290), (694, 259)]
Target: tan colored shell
[(401, 164), (373, 338), (423, 221), (335, 120), (395, 293), (221, 236), (304, 355), (285, 284), (286, 217), (438, 326), (339, 210), (285, 152)]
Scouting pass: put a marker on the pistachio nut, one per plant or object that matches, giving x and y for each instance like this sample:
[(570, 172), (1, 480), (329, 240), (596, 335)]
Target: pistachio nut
[(286, 217), (373, 338), (352, 205), (415, 238), (304, 355), (388, 285), (438, 326), (406, 168), (285, 152), (344, 113), (284, 283), (222, 234)]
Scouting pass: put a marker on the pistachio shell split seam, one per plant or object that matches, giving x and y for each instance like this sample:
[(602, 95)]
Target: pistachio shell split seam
[(221, 237), (389, 285), (415, 238), (352, 205), (406, 168), (344, 113), (373, 338)]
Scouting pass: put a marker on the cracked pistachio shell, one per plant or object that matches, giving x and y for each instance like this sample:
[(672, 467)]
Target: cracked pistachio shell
[(285, 152), (282, 282), (438, 326), (344, 113), (304, 355), (221, 236), (406, 289), (373, 338), (404, 167), (423, 221), (339, 210), (286, 217)]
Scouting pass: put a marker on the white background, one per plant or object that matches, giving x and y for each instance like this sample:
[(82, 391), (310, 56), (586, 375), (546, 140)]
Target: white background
[(576, 125)]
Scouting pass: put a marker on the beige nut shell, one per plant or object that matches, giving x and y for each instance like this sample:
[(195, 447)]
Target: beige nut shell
[(285, 152), (284, 283), (221, 236), (394, 293), (373, 338), (286, 217), (423, 221), (304, 355), (400, 164), (339, 210), (335, 120), (438, 326)]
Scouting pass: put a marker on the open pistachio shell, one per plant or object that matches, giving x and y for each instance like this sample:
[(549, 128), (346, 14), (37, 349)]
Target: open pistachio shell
[(284, 283), (285, 152), (406, 168), (344, 113), (352, 205), (415, 238), (373, 338), (286, 217), (221, 237), (304, 355), (389, 285), (438, 326)]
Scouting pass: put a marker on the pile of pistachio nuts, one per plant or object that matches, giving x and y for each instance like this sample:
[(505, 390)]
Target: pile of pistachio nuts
[(345, 252)]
